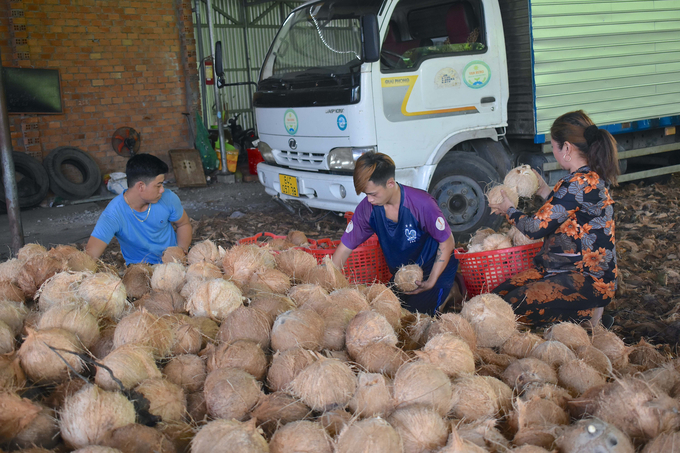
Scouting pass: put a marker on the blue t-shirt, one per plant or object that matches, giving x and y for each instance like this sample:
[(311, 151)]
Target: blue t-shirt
[(140, 241), (413, 239)]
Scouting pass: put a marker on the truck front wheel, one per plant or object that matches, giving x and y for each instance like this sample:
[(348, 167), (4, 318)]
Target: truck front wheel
[(458, 185)]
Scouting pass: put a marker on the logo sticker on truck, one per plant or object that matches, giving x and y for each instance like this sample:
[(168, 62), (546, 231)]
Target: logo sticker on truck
[(447, 78), (290, 121), (342, 122), (476, 74)]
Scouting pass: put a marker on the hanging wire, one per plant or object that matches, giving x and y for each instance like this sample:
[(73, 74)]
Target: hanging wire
[(318, 29)]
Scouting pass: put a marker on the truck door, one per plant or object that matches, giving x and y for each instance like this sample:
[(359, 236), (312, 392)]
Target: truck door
[(440, 72)]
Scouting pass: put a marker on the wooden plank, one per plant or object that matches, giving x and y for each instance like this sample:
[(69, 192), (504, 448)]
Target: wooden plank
[(188, 167)]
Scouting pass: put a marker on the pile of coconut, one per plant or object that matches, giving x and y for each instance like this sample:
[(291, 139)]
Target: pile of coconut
[(251, 349), (487, 239)]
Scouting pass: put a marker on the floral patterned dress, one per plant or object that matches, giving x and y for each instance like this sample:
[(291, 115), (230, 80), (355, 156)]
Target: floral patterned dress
[(575, 271)]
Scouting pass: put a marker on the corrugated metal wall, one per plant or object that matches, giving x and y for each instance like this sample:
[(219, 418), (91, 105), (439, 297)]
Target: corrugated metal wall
[(617, 60)]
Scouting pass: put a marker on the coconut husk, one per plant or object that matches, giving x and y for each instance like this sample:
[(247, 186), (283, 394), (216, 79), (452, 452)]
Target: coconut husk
[(536, 412), (384, 301), (595, 358), (40, 432), (7, 342), (492, 319), (496, 242), (413, 333), (42, 364), (456, 444), (180, 433), (366, 328), (137, 280), (203, 270), (664, 379), (231, 393), (521, 344), (571, 335), (10, 292), (310, 296), (74, 259), (474, 398), (518, 238), (129, 363), (554, 393), (420, 382), (286, 365), (299, 327), (553, 353), (646, 355), (482, 433), (277, 409), (577, 376), (372, 397), (186, 370), (187, 339), (522, 372), (272, 305), (197, 411), (326, 275), (145, 329), (303, 435), (162, 303), (215, 299), (166, 399), (13, 314), (268, 281), (368, 436), (334, 421), (35, 271), (10, 270), (243, 354), (204, 252), (296, 264), (489, 370), (246, 323), (17, 413), (540, 436), (104, 344), (12, 377), (206, 326), (455, 324), (349, 298), (663, 443), (90, 413), (406, 277), (105, 293), (136, 438), (612, 346), (242, 261), (280, 244), (495, 196), (336, 320), (382, 357), (324, 384), (594, 435), (60, 289), (168, 277), (56, 398), (174, 255), (229, 435), (298, 238), (449, 353), (75, 318), (523, 179), (420, 428)]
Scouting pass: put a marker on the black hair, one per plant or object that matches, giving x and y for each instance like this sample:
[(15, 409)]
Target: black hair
[(375, 167), (145, 168)]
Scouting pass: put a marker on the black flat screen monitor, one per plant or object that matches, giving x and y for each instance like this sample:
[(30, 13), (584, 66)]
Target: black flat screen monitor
[(31, 90)]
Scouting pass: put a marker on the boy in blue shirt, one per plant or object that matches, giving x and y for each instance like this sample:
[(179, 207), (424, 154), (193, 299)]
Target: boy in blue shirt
[(142, 217), (410, 227)]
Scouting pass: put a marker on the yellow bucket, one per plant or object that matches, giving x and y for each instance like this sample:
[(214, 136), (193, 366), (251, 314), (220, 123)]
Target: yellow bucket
[(232, 159)]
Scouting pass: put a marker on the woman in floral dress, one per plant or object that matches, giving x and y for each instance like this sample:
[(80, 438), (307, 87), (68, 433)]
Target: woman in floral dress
[(575, 271)]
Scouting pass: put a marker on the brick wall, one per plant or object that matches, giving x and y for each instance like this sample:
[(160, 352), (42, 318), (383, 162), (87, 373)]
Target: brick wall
[(122, 63)]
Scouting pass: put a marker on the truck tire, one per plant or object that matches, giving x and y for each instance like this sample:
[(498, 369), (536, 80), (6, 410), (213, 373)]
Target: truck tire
[(458, 185), (81, 161), (32, 181)]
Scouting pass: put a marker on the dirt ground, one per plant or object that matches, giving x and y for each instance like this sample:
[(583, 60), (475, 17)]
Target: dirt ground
[(647, 231)]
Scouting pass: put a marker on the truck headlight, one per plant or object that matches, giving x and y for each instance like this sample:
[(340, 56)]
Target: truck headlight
[(266, 152), (344, 158)]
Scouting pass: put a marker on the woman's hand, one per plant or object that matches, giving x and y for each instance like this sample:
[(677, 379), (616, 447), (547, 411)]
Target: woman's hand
[(543, 188), (501, 208)]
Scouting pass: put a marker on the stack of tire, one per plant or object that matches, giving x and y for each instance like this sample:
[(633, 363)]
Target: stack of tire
[(34, 179)]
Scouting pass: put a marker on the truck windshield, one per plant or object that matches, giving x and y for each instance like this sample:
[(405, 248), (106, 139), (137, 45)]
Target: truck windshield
[(317, 41)]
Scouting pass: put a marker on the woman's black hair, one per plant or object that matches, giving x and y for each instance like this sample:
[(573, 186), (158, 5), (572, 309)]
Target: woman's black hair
[(145, 168)]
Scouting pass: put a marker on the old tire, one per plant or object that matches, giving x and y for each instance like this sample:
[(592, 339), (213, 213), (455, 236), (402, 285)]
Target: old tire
[(82, 162), (458, 185), (32, 181)]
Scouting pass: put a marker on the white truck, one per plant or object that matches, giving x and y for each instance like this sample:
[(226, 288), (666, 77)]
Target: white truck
[(458, 92)]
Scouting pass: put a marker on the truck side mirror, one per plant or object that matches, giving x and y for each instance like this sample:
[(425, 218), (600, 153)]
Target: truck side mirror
[(370, 38)]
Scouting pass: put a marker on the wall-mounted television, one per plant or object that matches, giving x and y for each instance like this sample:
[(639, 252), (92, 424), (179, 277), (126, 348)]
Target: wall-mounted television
[(31, 90)]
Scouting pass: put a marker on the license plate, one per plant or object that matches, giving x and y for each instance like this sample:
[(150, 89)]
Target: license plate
[(289, 185)]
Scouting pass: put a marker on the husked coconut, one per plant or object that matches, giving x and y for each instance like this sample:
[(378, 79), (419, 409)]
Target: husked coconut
[(595, 358), (301, 436), (31, 250), (496, 242), (166, 400), (298, 238), (174, 254), (299, 327), (478, 237), (243, 354), (420, 428), (197, 410), (413, 332), (536, 412), (130, 364), (495, 196), (504, 393), (91, 412), (523, 179), (168, 277), (272, 304), (371, 435), (474, 398), (60, 289), (186, 370), (420, 382), (372, 397), (336, 319), (310, 296), (17, 413), (449, 353), (9, 292), (187, 339), (104, 344), (334, 421), (385, 302), (231, 393), (241, 261), (406, 277), (206, 326), (489, 356), (612, 346), (75, 318), (11, 374), (540, 436), (327, 275), (137, 280), (663, 443), (145, 329), (455, 324), (246, 323), (137, 438), (349, 298), (286, 365), (646, 355), (664, 379), (553, 353), (73, 259), (179, 433), (366, 328), (482, 433), (44, 365), (521, 344), (278, 408), (6, 339), (577, 376), (13, 314), (382, 357), (268, 281), (162, 303), (522, 372), (570, 334), (96, 449), (325, 383), (105, 293), (518, 238), (296, 264), (229, 435), (279, 244), (35, 272), (9, 270), (215, 298), (203, 270), (492, 319), (62, 391), (42, 432), (203, 252), (595, 435), (457, 444), (554, 393)]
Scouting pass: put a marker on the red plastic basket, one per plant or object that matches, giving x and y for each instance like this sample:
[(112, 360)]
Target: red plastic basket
[(366, 264), (484, 271)]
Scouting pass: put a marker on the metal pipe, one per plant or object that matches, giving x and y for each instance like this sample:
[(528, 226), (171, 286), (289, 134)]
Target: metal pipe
[(8, 177), (204, 93), (220, 123), (248, 69)]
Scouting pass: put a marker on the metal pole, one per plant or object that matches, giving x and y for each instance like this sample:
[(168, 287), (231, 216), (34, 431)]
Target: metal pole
[(245, 43), (8, 178), (220, 123), (204, 93)]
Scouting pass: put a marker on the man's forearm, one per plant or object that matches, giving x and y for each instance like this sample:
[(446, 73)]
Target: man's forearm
[(441, 259), (184, 237)]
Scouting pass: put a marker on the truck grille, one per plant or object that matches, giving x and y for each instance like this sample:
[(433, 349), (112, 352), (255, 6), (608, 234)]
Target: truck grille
[(301, 159)]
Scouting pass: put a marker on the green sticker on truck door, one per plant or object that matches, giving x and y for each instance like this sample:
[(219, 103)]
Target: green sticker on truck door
[(290, 121), (476, 74)]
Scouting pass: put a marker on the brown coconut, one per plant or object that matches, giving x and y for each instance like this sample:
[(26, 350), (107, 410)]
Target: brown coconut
[(336, 319), (13, 314), (518, 238), (413, 332), (136, 438), (523, 179), (482, 433), (74, 259), (299, 327), (496, 242), (495, 196), (489, 356), (35, 272), (104, 344), (187, 338), (449, 353), (286, 365), (40, 432), (231, 393), (478, 237), (664, 378), (56, 398), (97, 449), (370, 435), (105, 293), (324, 384), (241, 261), (522, 372), (296, 264), (60, 289), (326, 275), (277, 409), (168, 277), (31, 250), (301, 436), (457, 444), (174, 255), (350, 298), (91, 412), (504, 393), (162, 302), (7, 342), (310, 296), (334, 421), (229, 435), (570, 334), (455, 324), (272, 305), (553, 353), (166, 400), (612, 346), (270, 281), (595, 358), (385, 302), (279, 244), (203, 270), (492, 319), (186, 370), (206, 326), (17, 413), (474, 398), (646, 355), (75, 318), (10, 270), (366, 328), (577, 376), (246, 323), (243, 354), (137, 280), (179, 433), (145, 329), (596, 436), (536, 412), (421, 429), (521, 344), (372, 397), (663, 443), (197, 410), (130, 364), (214, 298), (42, 364), (298, 238), (11, 293), (203, 252), (406, 277), (554, 393), (11, 374), (420, 382), (382, 358)]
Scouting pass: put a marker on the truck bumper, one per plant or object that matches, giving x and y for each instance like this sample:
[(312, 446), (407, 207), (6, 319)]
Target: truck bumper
[(316, 190)]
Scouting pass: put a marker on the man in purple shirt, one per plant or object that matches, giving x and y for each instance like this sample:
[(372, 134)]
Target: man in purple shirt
[(410, 227)]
